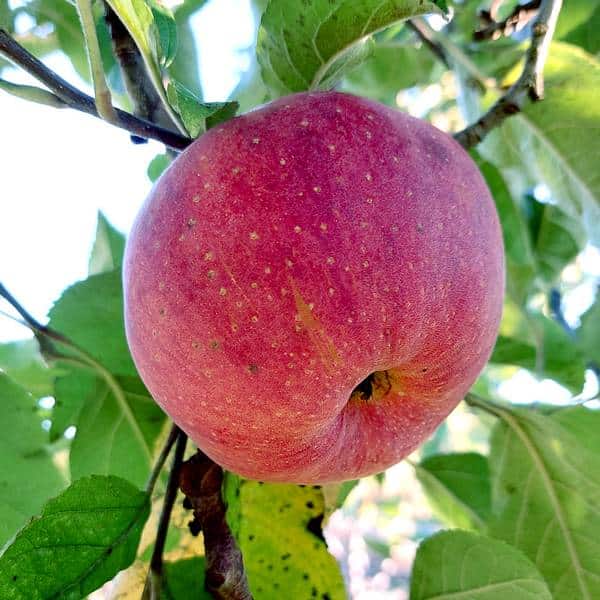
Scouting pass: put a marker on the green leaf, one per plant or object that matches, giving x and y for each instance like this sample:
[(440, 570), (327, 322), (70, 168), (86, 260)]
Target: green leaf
[(458, 488), (555, 141), (198, 116), (545, 489), (278, 530), (70, 395), (311, 44), (520, 260), (22, 361), (83, 538), (184, 580), (461, 564), (578, 24), (90, 313), (391, 68), (157, 165), (108, 249), (116, 431), (556, 356), (557, 239), (28, 475), (32, 93), (585, 34), (589, 332), (164, 38), (335, 494)]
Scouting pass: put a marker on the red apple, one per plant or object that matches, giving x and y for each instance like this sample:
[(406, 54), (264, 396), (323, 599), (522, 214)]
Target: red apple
[(312, 287)]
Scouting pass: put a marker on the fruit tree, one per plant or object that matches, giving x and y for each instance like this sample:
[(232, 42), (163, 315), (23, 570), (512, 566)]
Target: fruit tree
[(348, 347)]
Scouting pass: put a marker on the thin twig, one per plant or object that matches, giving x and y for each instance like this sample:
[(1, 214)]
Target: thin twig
[(201, 481), (153, 586), (77, 100), (530, 84), (101, 91), (424, 34), (449, 53), (517, 20), (162, 457)]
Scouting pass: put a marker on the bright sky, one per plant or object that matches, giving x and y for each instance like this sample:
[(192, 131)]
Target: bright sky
[(60, 167)]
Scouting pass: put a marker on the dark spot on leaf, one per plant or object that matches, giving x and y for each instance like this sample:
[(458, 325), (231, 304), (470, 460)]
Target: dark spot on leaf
[(109, 551), (310, 504), (269, 567), (286, 568), (314, 592), (305, 576), (325, 596), (285, 556), (276, 585), (315, 526), (14, 577), (250, 537)]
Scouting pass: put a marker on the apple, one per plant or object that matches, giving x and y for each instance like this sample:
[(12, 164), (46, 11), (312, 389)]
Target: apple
[(312, 287)]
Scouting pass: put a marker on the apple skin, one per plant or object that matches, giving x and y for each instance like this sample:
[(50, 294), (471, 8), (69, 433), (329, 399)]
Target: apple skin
[(291, 252)]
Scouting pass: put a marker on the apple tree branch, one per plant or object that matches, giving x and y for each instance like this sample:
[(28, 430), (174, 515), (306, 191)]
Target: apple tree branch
[(529, 86), (77, 100), (201, 481)]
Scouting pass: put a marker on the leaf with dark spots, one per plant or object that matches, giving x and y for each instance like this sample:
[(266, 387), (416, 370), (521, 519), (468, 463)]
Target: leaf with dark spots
[(285, 522)]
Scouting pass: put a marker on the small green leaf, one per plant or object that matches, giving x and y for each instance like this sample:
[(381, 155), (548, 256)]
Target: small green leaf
[(461, 564), (90, 313), (557, 238), (589, 332), (164, 29), (22, 361), (28, 475), (184, 580), (458, 488), (108, 249), (198, 116), (32, 94), (157, 165), (545, 488), (83, 538), (556, 355), (311, 44), (116, 431), (278, 530)]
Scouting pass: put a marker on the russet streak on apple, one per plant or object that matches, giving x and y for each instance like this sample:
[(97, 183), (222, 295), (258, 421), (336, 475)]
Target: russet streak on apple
[(289, 254)]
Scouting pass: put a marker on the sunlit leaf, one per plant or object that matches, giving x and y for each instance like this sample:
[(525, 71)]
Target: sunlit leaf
[(311, 44), (82, 539), (462, 564), (278, 530), (545, 489)]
